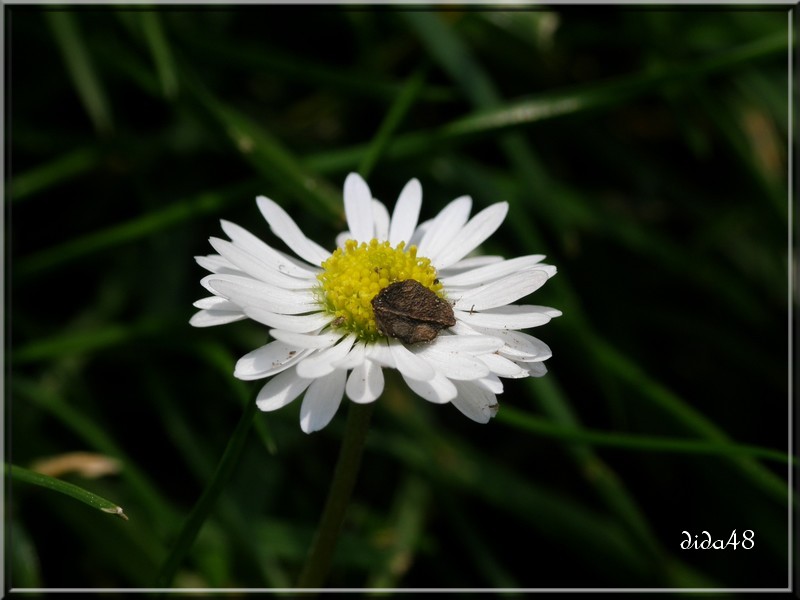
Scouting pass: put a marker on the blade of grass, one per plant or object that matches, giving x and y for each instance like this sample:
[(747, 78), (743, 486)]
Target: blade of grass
[(605, 481), (24, 568), (79, 342), (221, 359), (397, 112), (61, 169), (161, 53), (128, 550), (293, 68), (446, 48), (572, 212), (480, 90), (127, 61), (613, 363), (631, 373), (490, 567), (64, 487), (724, 118), (603, 94), (201, 464), (626, 370), (81, 69), (648, 443), (267, 155), (409, 512), (446, 460), (134, 229), (441, 458), (202, 509), (86, 429), (543, 107)]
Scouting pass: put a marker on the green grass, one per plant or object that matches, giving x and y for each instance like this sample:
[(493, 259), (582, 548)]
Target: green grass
[(645, 152)]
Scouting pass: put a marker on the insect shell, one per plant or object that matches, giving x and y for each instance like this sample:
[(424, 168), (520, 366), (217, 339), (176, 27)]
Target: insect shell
[(410, 312)]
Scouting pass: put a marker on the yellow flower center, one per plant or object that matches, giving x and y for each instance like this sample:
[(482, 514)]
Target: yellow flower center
[(354, 275)]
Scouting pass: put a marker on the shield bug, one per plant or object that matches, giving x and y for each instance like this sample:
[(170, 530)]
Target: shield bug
[(410, 312)]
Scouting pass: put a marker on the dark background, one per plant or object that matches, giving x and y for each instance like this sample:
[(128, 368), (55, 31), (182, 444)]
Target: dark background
[(650, 167)]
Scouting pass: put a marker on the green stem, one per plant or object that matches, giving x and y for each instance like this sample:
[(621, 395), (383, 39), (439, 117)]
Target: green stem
[(319, 557), (207, 501)]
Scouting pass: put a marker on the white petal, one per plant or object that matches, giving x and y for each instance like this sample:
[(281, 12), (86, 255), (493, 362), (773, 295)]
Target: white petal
[(267, 360), (491, 272), (503, 291), (406, 213), (491, 383), (286, 229), (550, 312), (209, 318), (284, 263), (409, 364), (296, 323), (530, 350), (342, 238), (474, 233), (518, 346), (358, 207), (419, 233), (468, 263), (257, 268), (354, 358), (216, 302), (444, 227), (281, 390), (365, 383), (214, 263), (381, 217), (204, 283), (461, 328), (322, 363), (522, 347), (514, 316), (248, 292), (380, 353), (315, 341), (475, 344), (438, 390), (504, 367), (475, 401), (535, 369), (322, 401), (454, 364)]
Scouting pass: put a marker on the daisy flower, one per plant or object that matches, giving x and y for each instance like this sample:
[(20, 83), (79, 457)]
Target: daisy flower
[(394, 294)]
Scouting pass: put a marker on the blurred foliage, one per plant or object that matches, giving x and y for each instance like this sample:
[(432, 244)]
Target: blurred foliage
[(643, 150)]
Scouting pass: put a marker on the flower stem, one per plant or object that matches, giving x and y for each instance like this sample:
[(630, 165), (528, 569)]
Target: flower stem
[(318, 561)]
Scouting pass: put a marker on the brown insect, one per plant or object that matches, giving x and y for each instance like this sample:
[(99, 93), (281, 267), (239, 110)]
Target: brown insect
[(410, 312)]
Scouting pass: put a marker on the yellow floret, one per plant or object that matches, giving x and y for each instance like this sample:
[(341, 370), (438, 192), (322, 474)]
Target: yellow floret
[(354, 275)]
